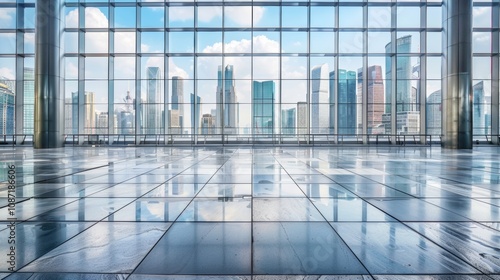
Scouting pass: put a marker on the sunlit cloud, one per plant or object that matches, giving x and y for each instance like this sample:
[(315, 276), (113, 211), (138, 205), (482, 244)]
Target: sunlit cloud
[(7, 73)]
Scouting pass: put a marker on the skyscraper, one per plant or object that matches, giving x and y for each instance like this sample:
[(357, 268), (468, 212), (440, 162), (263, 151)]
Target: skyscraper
[(288, 120), (320, 99), (403, 75), (90, 115), (7, 106), (478, 120), (263, 107), (226, 115), (102, 123), (433, 115), (346, 91), (195, 113), (152, 108), (29, 100), (207, 124), (302, 118), (178, 98), (375, 96)]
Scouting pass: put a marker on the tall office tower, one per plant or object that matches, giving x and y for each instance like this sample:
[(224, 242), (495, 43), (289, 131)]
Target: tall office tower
[(478, 122), (403, 75), (433, 115), (7, 106), (90, 116), (346, 91), (74, 112), (320, 100), (195, 113), (332, 101), (415, 89), (68, 116), (102, 123), (29, 100), (226, 115), (375, 96), (173, 119), (207, 124), (152, 108), (263, 107), (302, 118), (178, 98), (288, 121)]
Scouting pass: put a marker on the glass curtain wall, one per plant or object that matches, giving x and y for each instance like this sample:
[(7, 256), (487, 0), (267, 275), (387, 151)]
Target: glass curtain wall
[(263, 72)]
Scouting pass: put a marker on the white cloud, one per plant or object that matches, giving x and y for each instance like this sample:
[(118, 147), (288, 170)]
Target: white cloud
[(7, 73), (6, 15), (29, 38), (240, 15), (181, 13), (94, 18), (243, 15), (207, 14), (144, 48), (72, 19)]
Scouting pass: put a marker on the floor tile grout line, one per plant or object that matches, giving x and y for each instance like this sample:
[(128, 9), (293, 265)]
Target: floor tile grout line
[(180, 214), (325, 219)]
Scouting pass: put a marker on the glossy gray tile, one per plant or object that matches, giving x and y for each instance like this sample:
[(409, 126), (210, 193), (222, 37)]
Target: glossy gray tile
[(285, 209), (201, 248), (103, 248), (301, 248), (472, 242), (393, 248)]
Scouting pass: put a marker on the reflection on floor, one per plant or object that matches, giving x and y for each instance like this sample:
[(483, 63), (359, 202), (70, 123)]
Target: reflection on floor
[(252, 213)]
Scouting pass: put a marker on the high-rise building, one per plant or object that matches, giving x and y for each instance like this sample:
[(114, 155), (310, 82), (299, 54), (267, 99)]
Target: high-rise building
[(433, 113), (195, 113), (207, 124), (226, 100), (178, 98), (263, 107), (72, 113), (29, 100), (288, 120), (173, 119), (347, 109), (375, 98), (7, 106), (152, 106), (403, 75), (90, 114), (102, 123), (478, 120), (332, 91), (320, 100), (302, 118)]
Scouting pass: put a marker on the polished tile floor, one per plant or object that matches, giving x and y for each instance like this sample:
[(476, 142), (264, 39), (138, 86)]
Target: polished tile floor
[(253, 213)]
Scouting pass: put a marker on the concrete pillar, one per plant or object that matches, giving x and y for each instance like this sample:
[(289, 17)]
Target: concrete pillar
[(457, 74), (49, 98)]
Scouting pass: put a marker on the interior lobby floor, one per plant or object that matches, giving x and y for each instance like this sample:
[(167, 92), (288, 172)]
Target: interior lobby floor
[(251, 213)]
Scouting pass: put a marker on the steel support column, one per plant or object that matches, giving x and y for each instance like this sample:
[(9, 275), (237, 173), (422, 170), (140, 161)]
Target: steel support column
[(457, 74), (49, 100)]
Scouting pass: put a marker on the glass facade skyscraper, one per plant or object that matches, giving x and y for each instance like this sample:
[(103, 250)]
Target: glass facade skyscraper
[(347, 105), (263, 107)]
